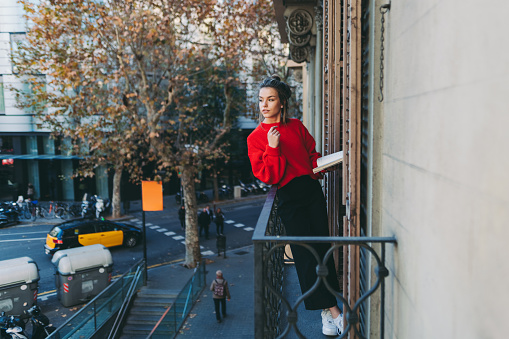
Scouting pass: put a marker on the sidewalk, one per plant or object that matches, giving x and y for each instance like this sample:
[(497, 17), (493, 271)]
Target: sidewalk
[(238, 270)]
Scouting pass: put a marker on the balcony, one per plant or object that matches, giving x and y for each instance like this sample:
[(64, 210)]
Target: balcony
[(279, 310)]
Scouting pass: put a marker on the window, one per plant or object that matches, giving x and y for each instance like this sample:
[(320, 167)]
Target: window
[(55, 232), (16, 40), (105, 227), (28, 89), (85, 229), (2, 98), (6, 145)]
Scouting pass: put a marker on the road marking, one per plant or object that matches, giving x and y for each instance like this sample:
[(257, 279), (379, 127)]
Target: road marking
[(46, 296), (9, 234), (178, 237), (149, 224), (27, 239)]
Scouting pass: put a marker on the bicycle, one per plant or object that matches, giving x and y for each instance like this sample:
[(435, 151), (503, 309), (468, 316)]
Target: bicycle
[(25, 211), (50, 211), (34, 209), (66, 211)]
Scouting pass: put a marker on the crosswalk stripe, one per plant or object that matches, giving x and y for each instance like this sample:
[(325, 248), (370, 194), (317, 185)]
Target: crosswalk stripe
[(180, 237)]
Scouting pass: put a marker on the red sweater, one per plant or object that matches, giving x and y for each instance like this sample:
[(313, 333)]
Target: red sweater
[(295, 156)]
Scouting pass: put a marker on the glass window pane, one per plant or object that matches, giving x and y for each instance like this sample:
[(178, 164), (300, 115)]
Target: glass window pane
[(2, 101)]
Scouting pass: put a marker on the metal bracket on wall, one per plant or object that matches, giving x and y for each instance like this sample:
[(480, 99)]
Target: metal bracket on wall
[(385, 6)]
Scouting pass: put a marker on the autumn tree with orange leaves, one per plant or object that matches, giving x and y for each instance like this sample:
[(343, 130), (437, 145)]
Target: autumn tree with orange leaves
[(122, 79)]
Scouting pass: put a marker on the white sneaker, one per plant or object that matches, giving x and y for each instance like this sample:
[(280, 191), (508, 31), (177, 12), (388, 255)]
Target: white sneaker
[(328, 325), (338, 322)]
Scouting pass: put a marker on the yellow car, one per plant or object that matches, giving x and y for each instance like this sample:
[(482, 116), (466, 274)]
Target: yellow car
[(84, 232)]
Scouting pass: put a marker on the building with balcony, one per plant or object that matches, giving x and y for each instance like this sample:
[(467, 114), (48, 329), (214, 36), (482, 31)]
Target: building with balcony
[(413, 93)]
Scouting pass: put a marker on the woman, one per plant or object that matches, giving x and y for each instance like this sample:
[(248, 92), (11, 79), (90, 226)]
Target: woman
[(282, 153), (221, 292), (182, 217)]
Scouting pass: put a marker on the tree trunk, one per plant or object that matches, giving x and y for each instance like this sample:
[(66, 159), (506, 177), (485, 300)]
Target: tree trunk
[(216, 185), (115, 201), (193, 254)]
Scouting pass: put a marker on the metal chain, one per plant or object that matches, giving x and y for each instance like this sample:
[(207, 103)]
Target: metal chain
[(383, 9)]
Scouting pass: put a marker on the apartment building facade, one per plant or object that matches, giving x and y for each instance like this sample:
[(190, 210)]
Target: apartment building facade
[(413, 92), (28, 153)]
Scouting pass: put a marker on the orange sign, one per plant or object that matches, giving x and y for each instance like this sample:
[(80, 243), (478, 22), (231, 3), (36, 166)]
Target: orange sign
[(152, 195)]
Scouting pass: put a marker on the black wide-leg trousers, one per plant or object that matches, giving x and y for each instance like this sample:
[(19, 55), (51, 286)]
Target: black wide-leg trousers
[(303, 211)]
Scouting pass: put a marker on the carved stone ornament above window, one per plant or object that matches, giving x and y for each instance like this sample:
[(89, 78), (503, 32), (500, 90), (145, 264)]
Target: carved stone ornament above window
[(300, 22), (299, 40), (299, 54)]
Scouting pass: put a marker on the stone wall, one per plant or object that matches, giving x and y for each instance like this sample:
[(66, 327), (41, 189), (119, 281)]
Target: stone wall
[(445, 168)]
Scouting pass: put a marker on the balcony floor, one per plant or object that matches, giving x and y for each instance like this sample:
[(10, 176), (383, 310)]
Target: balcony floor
[(309, 322)]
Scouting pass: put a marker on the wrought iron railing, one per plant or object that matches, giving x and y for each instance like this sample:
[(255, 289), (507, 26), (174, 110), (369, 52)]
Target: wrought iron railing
[(171, 321), (270, 302), (124, 308)]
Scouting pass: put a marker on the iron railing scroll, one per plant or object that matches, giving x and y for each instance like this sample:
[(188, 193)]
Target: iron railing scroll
[(270, 302)]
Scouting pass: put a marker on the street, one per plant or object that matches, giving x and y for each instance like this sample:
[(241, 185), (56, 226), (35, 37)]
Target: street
[(164, 244)]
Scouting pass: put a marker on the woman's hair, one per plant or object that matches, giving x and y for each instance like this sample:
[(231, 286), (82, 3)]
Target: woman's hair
[(284, 92)]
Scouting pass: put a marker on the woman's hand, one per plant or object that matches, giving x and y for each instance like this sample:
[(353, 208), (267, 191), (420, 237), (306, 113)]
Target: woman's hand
[(273, 137)]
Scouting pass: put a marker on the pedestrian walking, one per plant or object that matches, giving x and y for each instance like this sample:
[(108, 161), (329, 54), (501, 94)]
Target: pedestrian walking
[(30, 191), (182, 217), (219, 220), (210, 212), (282, 153), (204, 222), (221, 293)]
